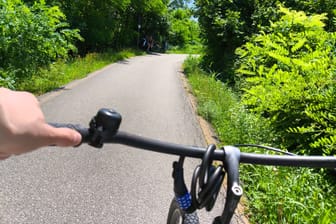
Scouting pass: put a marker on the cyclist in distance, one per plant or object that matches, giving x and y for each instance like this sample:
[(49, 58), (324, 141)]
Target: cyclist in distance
[(23, 127)]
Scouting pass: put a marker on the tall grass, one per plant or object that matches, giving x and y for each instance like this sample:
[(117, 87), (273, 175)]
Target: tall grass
[(275, 194), (61, 73), (195, 48)]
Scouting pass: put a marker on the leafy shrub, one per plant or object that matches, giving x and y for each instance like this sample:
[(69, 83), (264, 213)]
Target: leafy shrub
[(31, 37), (227, 24), (275, 194), (6, 79), (191, 65), (62, 72), (223, 27), (287, 74), (221, 106), (183, 30)]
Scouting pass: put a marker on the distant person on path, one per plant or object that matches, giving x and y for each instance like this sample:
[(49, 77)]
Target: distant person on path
[(150, 43)]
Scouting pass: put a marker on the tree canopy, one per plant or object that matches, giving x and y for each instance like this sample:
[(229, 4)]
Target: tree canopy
[(227, 24), (37, 33), (287, 73)]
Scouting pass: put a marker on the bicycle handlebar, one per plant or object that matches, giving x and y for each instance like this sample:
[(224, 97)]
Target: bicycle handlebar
[(125, 138), (104, 128)]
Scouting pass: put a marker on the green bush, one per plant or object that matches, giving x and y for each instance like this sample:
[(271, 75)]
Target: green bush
[(31, 37), (191, 65), (287, 74), (62, 72), (275, 194), (221, 106), (227, 24), (183, 30)]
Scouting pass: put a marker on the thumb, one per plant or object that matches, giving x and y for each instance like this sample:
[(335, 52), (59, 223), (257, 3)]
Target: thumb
[(64, 136)]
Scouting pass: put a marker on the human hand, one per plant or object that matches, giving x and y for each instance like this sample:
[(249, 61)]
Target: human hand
[(23, 127)]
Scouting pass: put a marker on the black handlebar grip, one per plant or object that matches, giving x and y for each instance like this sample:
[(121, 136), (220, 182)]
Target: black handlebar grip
[(84, 132)]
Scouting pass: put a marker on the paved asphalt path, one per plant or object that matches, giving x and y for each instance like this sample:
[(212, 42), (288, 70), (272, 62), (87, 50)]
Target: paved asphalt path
[(116, 184)]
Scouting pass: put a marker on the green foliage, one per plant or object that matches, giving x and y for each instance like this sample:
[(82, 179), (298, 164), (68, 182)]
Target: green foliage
[(275, 194), (179, 4), (220, 105), (191, 66), (288, 195), (195, 48), (227, 24), (120, 24), (31, 37), (322, 129), (7, 79), (63, 72), (326, 7), (183, 29), (101, 22), (37, 32), (222, 30), (287, 74), (114, 23)]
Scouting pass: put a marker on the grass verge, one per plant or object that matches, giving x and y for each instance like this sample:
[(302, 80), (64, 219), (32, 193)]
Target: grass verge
[(61, 73), (275, 194), (187, 49)]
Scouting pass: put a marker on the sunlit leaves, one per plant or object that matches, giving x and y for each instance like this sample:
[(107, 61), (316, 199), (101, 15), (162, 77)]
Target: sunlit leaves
[(31, 37), (288, 75), (183, 30)]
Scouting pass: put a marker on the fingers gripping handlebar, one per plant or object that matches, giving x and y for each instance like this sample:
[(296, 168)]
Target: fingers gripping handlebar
[(102, 126)]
